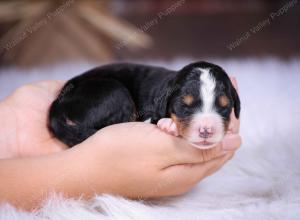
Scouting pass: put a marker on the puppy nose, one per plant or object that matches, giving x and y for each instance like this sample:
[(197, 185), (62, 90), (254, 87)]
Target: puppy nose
[(206, 132)]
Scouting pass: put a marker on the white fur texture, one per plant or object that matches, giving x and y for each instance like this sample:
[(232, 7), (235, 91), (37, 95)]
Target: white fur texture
[(207, 91), (262, 181), (210, 120)]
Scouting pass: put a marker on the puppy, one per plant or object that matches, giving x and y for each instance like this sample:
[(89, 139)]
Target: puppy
[(194, 102)]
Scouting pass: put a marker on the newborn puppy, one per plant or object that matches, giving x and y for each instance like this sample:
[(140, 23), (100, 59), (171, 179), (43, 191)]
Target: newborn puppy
[(194, 102)]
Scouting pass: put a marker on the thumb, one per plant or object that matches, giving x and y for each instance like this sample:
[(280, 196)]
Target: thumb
[(202, 170)]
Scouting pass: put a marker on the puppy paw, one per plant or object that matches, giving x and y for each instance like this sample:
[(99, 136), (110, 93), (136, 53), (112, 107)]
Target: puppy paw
[(168, 125)]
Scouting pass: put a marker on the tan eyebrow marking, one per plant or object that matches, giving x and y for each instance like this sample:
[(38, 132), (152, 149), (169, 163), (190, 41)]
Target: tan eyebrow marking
[(223, 101), (188, 99)]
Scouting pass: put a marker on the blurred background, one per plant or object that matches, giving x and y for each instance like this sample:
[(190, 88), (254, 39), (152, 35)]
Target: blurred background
[(35, 33)]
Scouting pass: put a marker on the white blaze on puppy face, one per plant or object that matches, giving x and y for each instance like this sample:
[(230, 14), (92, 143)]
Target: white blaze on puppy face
[(206, 116), (207, 90)]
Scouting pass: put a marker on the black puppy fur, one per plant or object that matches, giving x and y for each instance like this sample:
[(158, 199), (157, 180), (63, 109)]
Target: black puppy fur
[(127, 92)]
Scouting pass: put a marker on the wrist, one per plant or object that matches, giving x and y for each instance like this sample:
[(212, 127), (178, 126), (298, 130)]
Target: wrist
[(87, 172)]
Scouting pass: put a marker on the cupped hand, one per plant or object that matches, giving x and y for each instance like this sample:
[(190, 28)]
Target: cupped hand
[(23, 114), (138, 160)]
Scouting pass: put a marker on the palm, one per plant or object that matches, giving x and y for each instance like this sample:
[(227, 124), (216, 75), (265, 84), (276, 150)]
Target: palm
[(28, 108)]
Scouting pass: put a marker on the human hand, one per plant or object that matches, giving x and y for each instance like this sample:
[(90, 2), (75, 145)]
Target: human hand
[(232, 136), (138, 160), (24, 121), (134, 160)]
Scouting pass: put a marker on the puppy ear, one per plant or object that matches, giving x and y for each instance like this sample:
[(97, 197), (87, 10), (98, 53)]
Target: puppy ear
[(236, 102)]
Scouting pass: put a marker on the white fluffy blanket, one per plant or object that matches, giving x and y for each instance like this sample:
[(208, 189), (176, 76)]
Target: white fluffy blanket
[(262, 181)]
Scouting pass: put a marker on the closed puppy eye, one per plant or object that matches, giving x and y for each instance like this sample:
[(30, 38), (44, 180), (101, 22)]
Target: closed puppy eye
[(223, 101), (188, 99)]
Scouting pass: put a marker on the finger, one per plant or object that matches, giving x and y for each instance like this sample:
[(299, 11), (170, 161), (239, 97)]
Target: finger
[(189, 174), (171, 150), (221, 163), (234, 83), (234, 125), (231, 142), (201, 170), (183, 153), (52, 87), (47, 89)]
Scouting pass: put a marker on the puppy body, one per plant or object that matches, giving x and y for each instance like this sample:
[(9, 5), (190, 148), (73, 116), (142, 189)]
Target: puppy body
[(108, 95), (127, 92)]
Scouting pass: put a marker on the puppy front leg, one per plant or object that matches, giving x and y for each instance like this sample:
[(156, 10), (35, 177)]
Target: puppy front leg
[(168, 125)]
